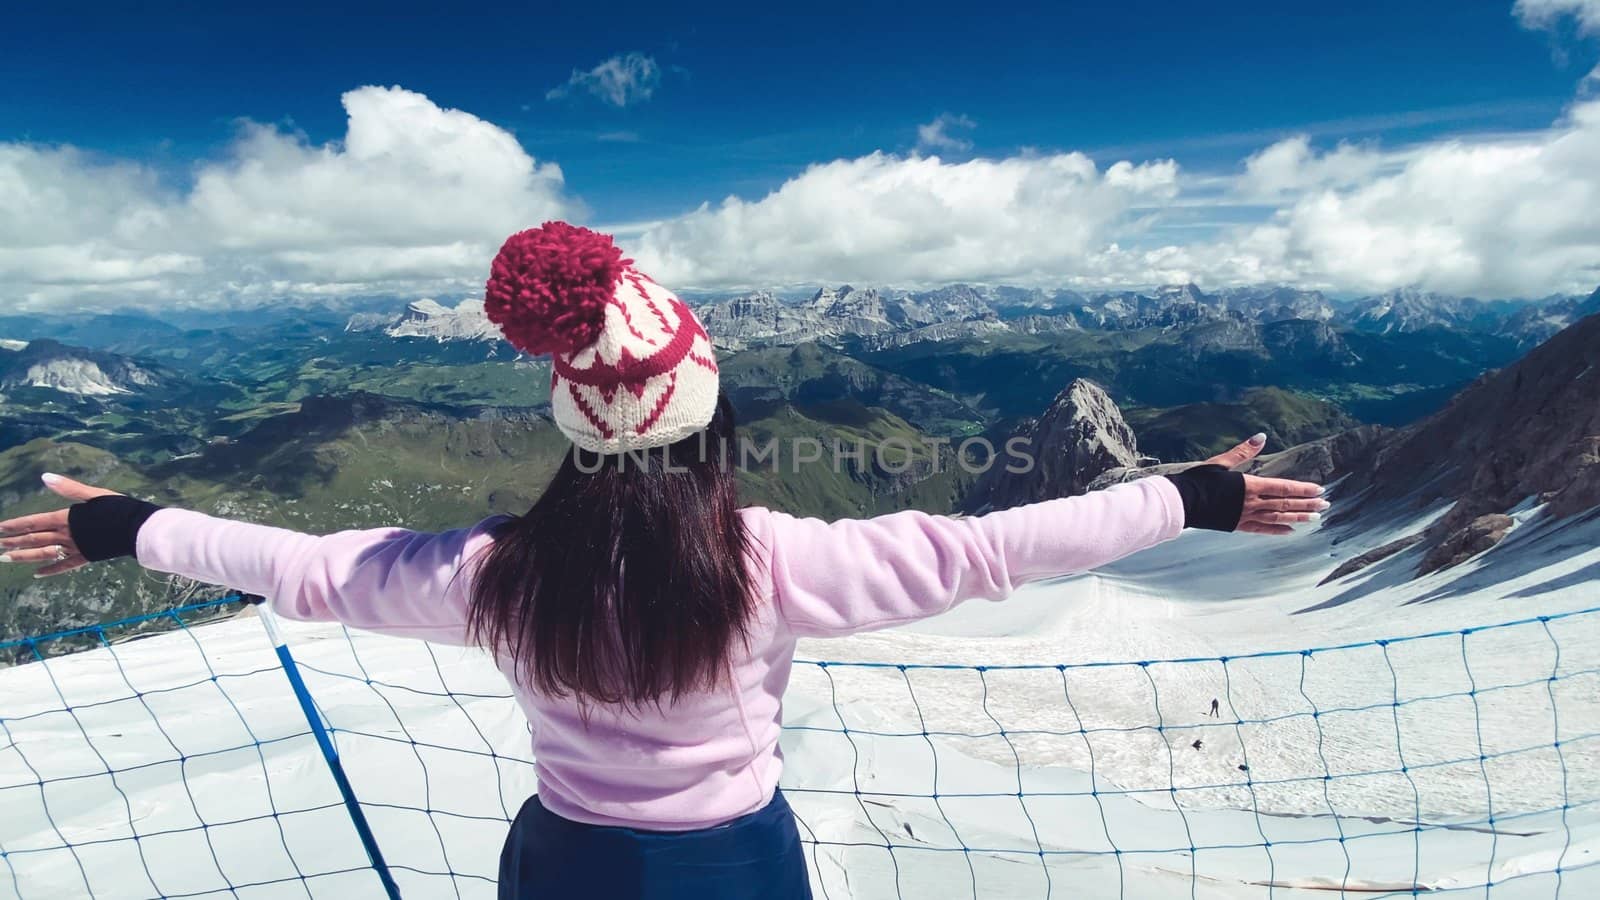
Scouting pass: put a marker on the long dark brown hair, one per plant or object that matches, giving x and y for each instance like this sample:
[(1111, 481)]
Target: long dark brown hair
[(626, 582)]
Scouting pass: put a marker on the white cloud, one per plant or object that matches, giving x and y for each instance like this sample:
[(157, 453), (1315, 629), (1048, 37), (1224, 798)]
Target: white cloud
[(1546, 13), (1502, 215), (622, 80), (1291, 166), (935, 135), (1550, 14), (1515, 215), (886, 218), (413, 195), (415, 199)]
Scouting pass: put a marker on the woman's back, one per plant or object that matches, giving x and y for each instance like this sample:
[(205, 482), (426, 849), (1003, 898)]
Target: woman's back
[(712, 755)]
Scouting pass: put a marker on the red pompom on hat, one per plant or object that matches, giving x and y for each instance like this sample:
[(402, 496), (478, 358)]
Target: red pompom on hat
[(631, 366), (548, 287)]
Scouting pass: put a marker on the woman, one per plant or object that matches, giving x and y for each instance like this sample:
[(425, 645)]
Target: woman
[(646, 622)]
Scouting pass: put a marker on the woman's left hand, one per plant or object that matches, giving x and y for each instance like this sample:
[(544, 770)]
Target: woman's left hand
[(1271, 505), (45, 537)]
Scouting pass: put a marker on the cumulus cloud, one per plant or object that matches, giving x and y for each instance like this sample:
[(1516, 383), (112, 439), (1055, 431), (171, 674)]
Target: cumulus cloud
[(70, 222), (935, 136), (1291, 166), (885, 218), (415, 199), (1505, 216), (413, 195), (622, 80)]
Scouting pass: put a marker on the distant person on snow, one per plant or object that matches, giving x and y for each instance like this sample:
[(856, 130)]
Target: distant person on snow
[(1213, 714), (646, 622)]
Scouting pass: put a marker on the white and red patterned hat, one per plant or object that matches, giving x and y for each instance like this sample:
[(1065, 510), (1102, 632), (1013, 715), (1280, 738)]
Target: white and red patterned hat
[(632, 366)]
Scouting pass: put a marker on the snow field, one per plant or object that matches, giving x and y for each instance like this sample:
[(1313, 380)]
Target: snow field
[(905, 782)]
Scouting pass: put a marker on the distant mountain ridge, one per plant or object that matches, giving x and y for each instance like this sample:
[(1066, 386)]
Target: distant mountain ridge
[(879, 318), (871, 314)]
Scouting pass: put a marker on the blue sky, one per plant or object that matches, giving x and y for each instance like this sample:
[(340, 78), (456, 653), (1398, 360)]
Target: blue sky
[(741, 100), (748, 96)]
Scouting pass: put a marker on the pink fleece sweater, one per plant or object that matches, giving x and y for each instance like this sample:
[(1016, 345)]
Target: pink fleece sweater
[(709, 757)]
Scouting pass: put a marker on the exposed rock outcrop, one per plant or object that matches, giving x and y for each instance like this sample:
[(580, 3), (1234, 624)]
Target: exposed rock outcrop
[(943, 331), (1466, 542), (1357, 563), (1325, 460), (74, 370), (427, 318), (758, 318)]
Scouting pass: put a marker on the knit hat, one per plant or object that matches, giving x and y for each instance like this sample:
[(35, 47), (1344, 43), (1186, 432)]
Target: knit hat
[(632, 366)]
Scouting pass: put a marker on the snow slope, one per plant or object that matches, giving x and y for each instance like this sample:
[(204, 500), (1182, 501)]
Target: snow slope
[(1445, 731)]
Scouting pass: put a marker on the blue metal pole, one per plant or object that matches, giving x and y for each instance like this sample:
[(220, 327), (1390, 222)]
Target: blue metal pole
[(330, 753)]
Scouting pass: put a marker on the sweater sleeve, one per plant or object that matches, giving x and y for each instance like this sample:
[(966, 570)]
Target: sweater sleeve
[(388, 580), (863, 574)]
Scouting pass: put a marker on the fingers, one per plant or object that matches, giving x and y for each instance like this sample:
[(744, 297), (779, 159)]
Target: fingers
[(1263, 528), (75, 561), (56, 551), (36, 539), (1241, 454), (1277, 518), (50, 521), (1306, 505), (1256, 486), (72, 490), (39, 554), (45, 537)]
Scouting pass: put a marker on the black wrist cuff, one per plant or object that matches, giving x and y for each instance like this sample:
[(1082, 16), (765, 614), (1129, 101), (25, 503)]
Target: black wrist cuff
[(1213, 497), (107, 527)]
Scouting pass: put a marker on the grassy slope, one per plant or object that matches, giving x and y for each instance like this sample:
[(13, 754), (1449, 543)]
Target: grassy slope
[(1199, 430), (350, 462), (1395, 378)]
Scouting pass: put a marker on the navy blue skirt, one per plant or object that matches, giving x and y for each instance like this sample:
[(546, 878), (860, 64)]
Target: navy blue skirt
[(753, 856)]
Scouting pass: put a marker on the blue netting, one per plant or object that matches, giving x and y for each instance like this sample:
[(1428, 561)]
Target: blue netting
[(1461, 761)]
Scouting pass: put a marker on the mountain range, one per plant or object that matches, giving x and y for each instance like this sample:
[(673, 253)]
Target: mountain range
[(417, 413), (879, 318)]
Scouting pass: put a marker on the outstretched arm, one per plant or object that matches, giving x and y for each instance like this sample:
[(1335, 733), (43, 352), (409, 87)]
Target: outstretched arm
[(863, 574), (389, 579), (858, 575)]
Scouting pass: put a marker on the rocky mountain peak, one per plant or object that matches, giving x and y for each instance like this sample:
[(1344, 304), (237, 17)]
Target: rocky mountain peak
[(957, 301), (753, 303), (1181, 293), (1080, 436)]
